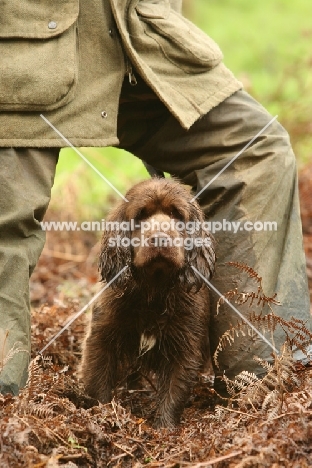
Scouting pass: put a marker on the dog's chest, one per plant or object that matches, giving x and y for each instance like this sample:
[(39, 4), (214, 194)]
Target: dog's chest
[(147, 342), (153, 323)]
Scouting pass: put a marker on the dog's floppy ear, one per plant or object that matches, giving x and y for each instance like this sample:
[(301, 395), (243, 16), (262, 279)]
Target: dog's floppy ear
[(201, 256), (115, 249)]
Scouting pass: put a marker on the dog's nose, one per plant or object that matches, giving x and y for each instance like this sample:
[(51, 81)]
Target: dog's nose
[(159, 239)]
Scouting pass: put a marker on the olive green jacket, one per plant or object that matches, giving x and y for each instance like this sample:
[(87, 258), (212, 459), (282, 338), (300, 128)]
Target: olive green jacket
[(67, 59)]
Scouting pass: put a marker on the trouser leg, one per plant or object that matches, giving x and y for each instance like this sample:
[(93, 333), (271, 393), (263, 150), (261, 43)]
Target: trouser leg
[(26, 178), (260, 185)]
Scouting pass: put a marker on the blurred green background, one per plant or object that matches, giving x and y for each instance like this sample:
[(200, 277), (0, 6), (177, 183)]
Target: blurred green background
[(267, 44)]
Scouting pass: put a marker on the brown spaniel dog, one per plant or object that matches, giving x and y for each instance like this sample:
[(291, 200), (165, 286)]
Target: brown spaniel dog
[(154, 316)]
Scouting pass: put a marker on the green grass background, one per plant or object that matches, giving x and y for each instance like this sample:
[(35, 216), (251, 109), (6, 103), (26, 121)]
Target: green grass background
[(266, 43)]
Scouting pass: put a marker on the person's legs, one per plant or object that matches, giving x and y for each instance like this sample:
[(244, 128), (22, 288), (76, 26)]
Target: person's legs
[(26, 178), (259, 186)]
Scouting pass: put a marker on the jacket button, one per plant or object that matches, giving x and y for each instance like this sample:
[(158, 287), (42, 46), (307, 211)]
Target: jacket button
[(111, 32), (104, 114), (52, 25)]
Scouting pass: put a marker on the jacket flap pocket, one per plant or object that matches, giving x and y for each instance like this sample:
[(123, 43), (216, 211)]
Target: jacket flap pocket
[(36, 19), (180, 41), (39, 54), (154, 8)]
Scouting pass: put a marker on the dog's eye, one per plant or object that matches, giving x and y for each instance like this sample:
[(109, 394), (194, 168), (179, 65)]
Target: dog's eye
[(176, 214), (142, 214)]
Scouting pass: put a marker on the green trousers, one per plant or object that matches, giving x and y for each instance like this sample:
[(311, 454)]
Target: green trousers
[(26, 178), (259, 186)]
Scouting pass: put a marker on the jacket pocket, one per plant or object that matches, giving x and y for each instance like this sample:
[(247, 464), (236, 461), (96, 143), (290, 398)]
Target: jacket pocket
[(180, 41), (38, 50)]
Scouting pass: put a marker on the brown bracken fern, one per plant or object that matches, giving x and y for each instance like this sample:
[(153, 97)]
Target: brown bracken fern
[(257, 298), (5, 357), (248, 391)]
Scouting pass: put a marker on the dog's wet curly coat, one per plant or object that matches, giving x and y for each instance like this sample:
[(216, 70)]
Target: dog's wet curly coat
[(155, 315)]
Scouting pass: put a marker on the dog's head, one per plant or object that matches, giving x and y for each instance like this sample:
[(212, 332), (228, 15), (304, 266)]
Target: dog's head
[(159, 233)]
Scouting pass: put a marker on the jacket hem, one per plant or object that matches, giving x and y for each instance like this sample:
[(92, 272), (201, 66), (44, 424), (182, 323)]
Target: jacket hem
[(222, 91), (58, 143), (217, 98)]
